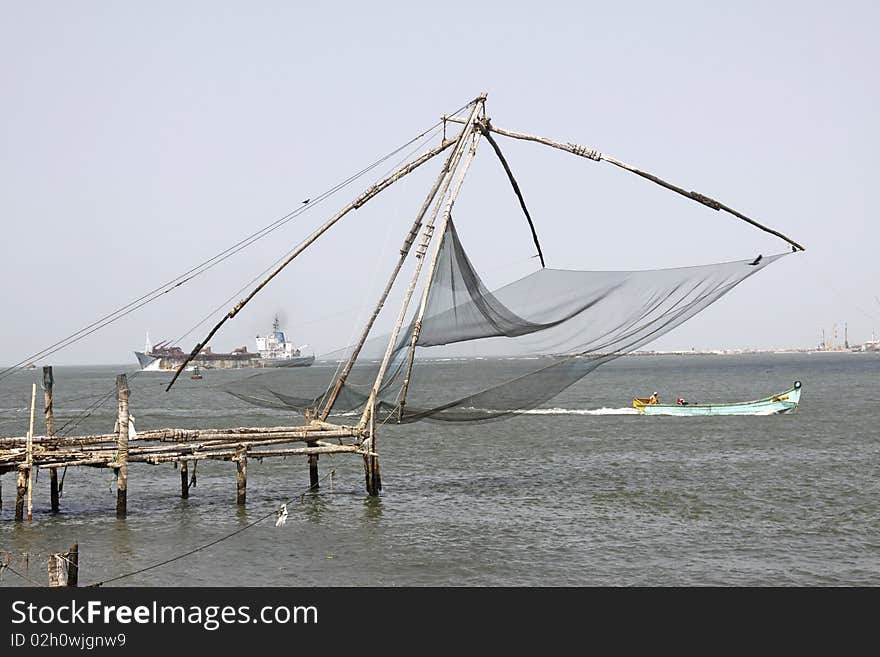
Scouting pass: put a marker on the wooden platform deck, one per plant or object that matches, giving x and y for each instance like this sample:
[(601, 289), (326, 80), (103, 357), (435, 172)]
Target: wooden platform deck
[(24, 454)]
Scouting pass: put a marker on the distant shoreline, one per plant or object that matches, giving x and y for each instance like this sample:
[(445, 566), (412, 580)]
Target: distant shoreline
[(741, 352), (672, 352)]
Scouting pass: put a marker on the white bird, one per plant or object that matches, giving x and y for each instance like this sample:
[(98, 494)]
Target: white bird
[(282, 516)]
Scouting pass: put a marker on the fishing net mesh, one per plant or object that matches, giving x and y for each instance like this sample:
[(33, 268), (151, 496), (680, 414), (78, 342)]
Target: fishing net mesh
[(553, 326)]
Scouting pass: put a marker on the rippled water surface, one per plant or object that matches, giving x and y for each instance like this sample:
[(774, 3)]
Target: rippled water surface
[(579, 493)]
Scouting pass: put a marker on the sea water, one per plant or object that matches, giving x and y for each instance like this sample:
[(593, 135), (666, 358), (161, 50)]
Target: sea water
[(582, 492)]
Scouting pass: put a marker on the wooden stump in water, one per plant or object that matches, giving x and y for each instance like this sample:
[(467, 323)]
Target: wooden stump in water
[(73, 566), (184, 479), (313, 470), (20, 493), (241, 478)]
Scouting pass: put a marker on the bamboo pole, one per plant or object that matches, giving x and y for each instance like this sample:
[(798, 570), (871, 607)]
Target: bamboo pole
[(122, 455), (447, 212), (168, 435), (450, 163), (107, 458), (597, 156), (426, 237), (230, 455), (30, 456), (48, 391), (354, 205)]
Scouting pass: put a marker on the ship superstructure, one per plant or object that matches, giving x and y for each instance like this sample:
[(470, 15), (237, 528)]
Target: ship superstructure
[(273, 351), (276, 351)]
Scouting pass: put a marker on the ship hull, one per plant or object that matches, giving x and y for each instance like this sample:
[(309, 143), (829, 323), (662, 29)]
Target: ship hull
[(151, 363), (296, 361), (147, 362)]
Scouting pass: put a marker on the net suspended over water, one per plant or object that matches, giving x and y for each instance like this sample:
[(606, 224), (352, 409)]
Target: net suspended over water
[(554, 326)]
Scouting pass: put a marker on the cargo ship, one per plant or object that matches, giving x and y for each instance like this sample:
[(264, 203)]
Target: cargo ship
[(273, 350)]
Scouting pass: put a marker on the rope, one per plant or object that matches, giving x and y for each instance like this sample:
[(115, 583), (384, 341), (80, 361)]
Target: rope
[(6, 566), (74, 421), (316, 201), (210, 544)]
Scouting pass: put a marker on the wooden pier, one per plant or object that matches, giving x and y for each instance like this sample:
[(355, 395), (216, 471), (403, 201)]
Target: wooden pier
[(24, 454)]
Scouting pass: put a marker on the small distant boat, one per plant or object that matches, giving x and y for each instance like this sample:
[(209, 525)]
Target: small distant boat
[(196, 373), (784, 402)]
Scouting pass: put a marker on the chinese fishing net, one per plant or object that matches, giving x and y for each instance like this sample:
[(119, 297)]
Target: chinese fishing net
[(554, 326)]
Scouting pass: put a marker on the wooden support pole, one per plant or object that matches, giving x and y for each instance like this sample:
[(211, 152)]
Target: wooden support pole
[(30, 457), (450, 164), (122, 392), (241, 468), (48, 385), (184, 479), (427, 233), (597, 156), (429, 277), (20, 493), (371, 459), (73, 566), (313, 470)]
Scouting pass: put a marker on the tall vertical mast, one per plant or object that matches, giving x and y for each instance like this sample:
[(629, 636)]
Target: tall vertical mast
[(448, 166), (466, 134), (447, 212)]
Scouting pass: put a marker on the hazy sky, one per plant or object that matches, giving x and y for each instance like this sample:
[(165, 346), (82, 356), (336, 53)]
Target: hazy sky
[(140, 139)]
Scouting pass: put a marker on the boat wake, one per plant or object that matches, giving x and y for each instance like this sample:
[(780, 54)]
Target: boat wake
[(580, 411)]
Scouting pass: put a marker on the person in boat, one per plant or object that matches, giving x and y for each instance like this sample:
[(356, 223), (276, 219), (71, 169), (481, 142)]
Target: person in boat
[(681, 401), (654, 398)]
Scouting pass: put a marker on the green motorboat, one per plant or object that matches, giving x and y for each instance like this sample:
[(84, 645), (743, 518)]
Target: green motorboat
[(783, 402)]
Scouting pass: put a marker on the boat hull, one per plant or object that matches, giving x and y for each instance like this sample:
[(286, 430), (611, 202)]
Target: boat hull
[(296, 361), (146, 361), (784, 402)]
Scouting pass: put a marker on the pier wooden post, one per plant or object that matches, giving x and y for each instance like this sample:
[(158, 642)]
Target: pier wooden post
[(30, 456), (184, 479), (241, 478), (64, 567), (48, 384), (57, 576), (122, 450), (73, 566), (313, 470), (20, 493), (371, 460)]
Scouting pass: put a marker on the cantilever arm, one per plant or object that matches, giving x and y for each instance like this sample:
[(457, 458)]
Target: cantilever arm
[(598, 156)]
